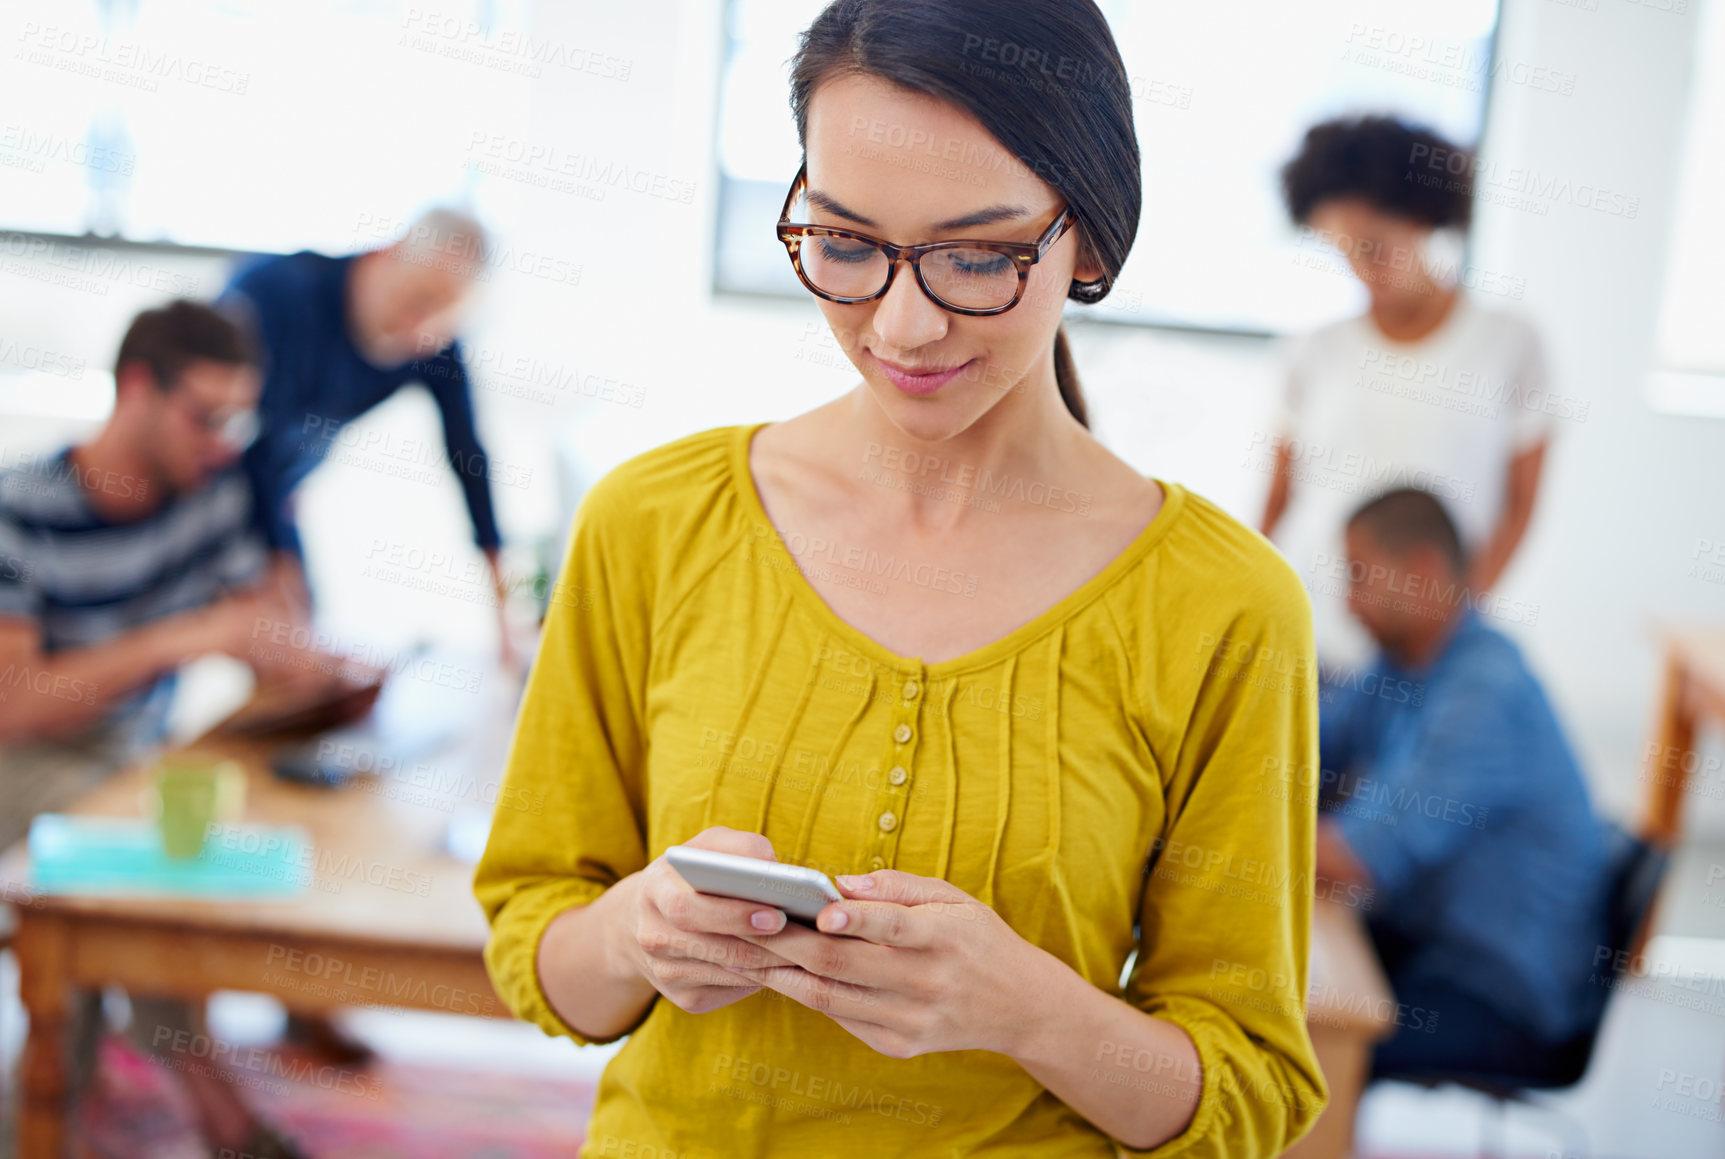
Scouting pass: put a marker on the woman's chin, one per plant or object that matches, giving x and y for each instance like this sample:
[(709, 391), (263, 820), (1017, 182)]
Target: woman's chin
[(930, 418)]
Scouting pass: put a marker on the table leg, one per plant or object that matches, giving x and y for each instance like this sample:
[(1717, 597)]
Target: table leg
[(42, 947), (1345, 1060), (1668, 764)]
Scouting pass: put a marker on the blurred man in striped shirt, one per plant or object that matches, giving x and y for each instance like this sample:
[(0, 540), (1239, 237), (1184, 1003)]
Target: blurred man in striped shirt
[(125, 556)]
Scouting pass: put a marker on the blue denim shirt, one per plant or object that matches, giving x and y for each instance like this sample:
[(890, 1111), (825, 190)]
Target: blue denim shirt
[(1456, 789)]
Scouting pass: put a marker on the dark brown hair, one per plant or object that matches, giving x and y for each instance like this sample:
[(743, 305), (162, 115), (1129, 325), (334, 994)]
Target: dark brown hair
[(1044, 77), (170, 338), (1408, 517), (1400, 168)]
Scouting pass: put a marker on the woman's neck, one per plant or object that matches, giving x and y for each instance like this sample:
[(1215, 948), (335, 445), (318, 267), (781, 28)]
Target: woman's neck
[(1027, 435), (1417, 316)]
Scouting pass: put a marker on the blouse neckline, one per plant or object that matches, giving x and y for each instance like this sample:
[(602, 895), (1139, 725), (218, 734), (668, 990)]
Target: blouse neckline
[(743, 479), (1457, 320)]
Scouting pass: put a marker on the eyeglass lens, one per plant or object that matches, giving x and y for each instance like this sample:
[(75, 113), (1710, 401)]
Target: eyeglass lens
[(971, 279), (238, 430)]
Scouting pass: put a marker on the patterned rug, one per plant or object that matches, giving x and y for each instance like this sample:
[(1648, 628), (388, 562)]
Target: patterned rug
[(386, 1110)]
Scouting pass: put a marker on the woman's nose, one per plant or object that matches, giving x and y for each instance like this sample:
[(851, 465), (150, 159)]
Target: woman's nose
[(908, 318)]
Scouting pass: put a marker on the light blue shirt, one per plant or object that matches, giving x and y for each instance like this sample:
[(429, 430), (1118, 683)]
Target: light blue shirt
[(1456, 789)]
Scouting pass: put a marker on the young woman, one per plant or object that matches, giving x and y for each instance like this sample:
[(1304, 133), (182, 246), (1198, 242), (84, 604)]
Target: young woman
[(1038, 714), (1428, 388)]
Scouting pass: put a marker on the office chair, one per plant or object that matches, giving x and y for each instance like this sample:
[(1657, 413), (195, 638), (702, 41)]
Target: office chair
[(1638, 870)]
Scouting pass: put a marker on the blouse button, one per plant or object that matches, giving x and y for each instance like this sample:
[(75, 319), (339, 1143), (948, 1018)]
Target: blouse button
[(877, 863), (901, 733), (911, 688), (888, 822), (897, 775)]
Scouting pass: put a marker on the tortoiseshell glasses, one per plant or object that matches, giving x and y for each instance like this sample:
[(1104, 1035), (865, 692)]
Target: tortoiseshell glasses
[(977, 278)]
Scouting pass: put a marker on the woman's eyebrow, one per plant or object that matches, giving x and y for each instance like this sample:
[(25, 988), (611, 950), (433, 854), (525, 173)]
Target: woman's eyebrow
[(988, 216)]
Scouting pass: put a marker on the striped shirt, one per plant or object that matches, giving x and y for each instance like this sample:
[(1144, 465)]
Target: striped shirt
[(85, 579)]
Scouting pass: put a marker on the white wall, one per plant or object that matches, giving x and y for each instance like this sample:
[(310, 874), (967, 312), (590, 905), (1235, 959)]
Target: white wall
[(1628, 492)]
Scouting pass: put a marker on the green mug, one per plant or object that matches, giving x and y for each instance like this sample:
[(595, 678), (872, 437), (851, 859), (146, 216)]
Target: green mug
[(192, 794)]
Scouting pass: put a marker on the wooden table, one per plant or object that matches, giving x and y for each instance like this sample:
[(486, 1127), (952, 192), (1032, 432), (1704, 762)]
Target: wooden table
[(389, 920), (1349, 1007), (1694, 692)]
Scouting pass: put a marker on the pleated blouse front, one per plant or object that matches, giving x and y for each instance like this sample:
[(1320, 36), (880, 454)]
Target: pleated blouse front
[(1106, 777)]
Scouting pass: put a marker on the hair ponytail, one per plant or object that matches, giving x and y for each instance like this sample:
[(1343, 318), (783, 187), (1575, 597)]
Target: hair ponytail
[(1066, 378)]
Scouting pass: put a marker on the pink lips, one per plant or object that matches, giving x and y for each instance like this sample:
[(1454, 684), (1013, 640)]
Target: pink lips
[(920, 383)]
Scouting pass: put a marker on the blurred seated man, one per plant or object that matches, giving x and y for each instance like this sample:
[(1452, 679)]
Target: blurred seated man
[(1451, 791), (133, 553), (342, 334), (121, 559)]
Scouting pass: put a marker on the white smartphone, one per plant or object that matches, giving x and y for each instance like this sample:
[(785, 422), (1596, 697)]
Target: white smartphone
[(802, 893)]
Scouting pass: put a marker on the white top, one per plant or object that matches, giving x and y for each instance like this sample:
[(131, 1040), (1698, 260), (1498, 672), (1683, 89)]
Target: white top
[(1363, 414)]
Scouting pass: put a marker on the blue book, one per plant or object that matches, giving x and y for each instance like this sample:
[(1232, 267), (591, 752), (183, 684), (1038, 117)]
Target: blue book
[(121, 856)]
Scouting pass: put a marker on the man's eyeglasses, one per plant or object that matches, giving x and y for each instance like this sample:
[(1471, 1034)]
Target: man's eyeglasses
[(236, 429), (975, 278)]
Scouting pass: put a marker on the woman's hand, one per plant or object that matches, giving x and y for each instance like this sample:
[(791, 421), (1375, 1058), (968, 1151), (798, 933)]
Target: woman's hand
[(686, 944), (911, 965)]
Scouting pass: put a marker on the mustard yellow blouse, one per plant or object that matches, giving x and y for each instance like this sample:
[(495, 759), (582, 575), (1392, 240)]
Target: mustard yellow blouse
[(1110, 777)]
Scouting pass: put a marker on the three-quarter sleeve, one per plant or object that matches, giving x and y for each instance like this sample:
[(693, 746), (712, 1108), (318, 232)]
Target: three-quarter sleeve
[(1225, 920), (570, 819)]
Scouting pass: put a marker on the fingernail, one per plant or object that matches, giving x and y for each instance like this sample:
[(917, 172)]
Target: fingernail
[(839, 920), (853, 881), (767, 919)]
